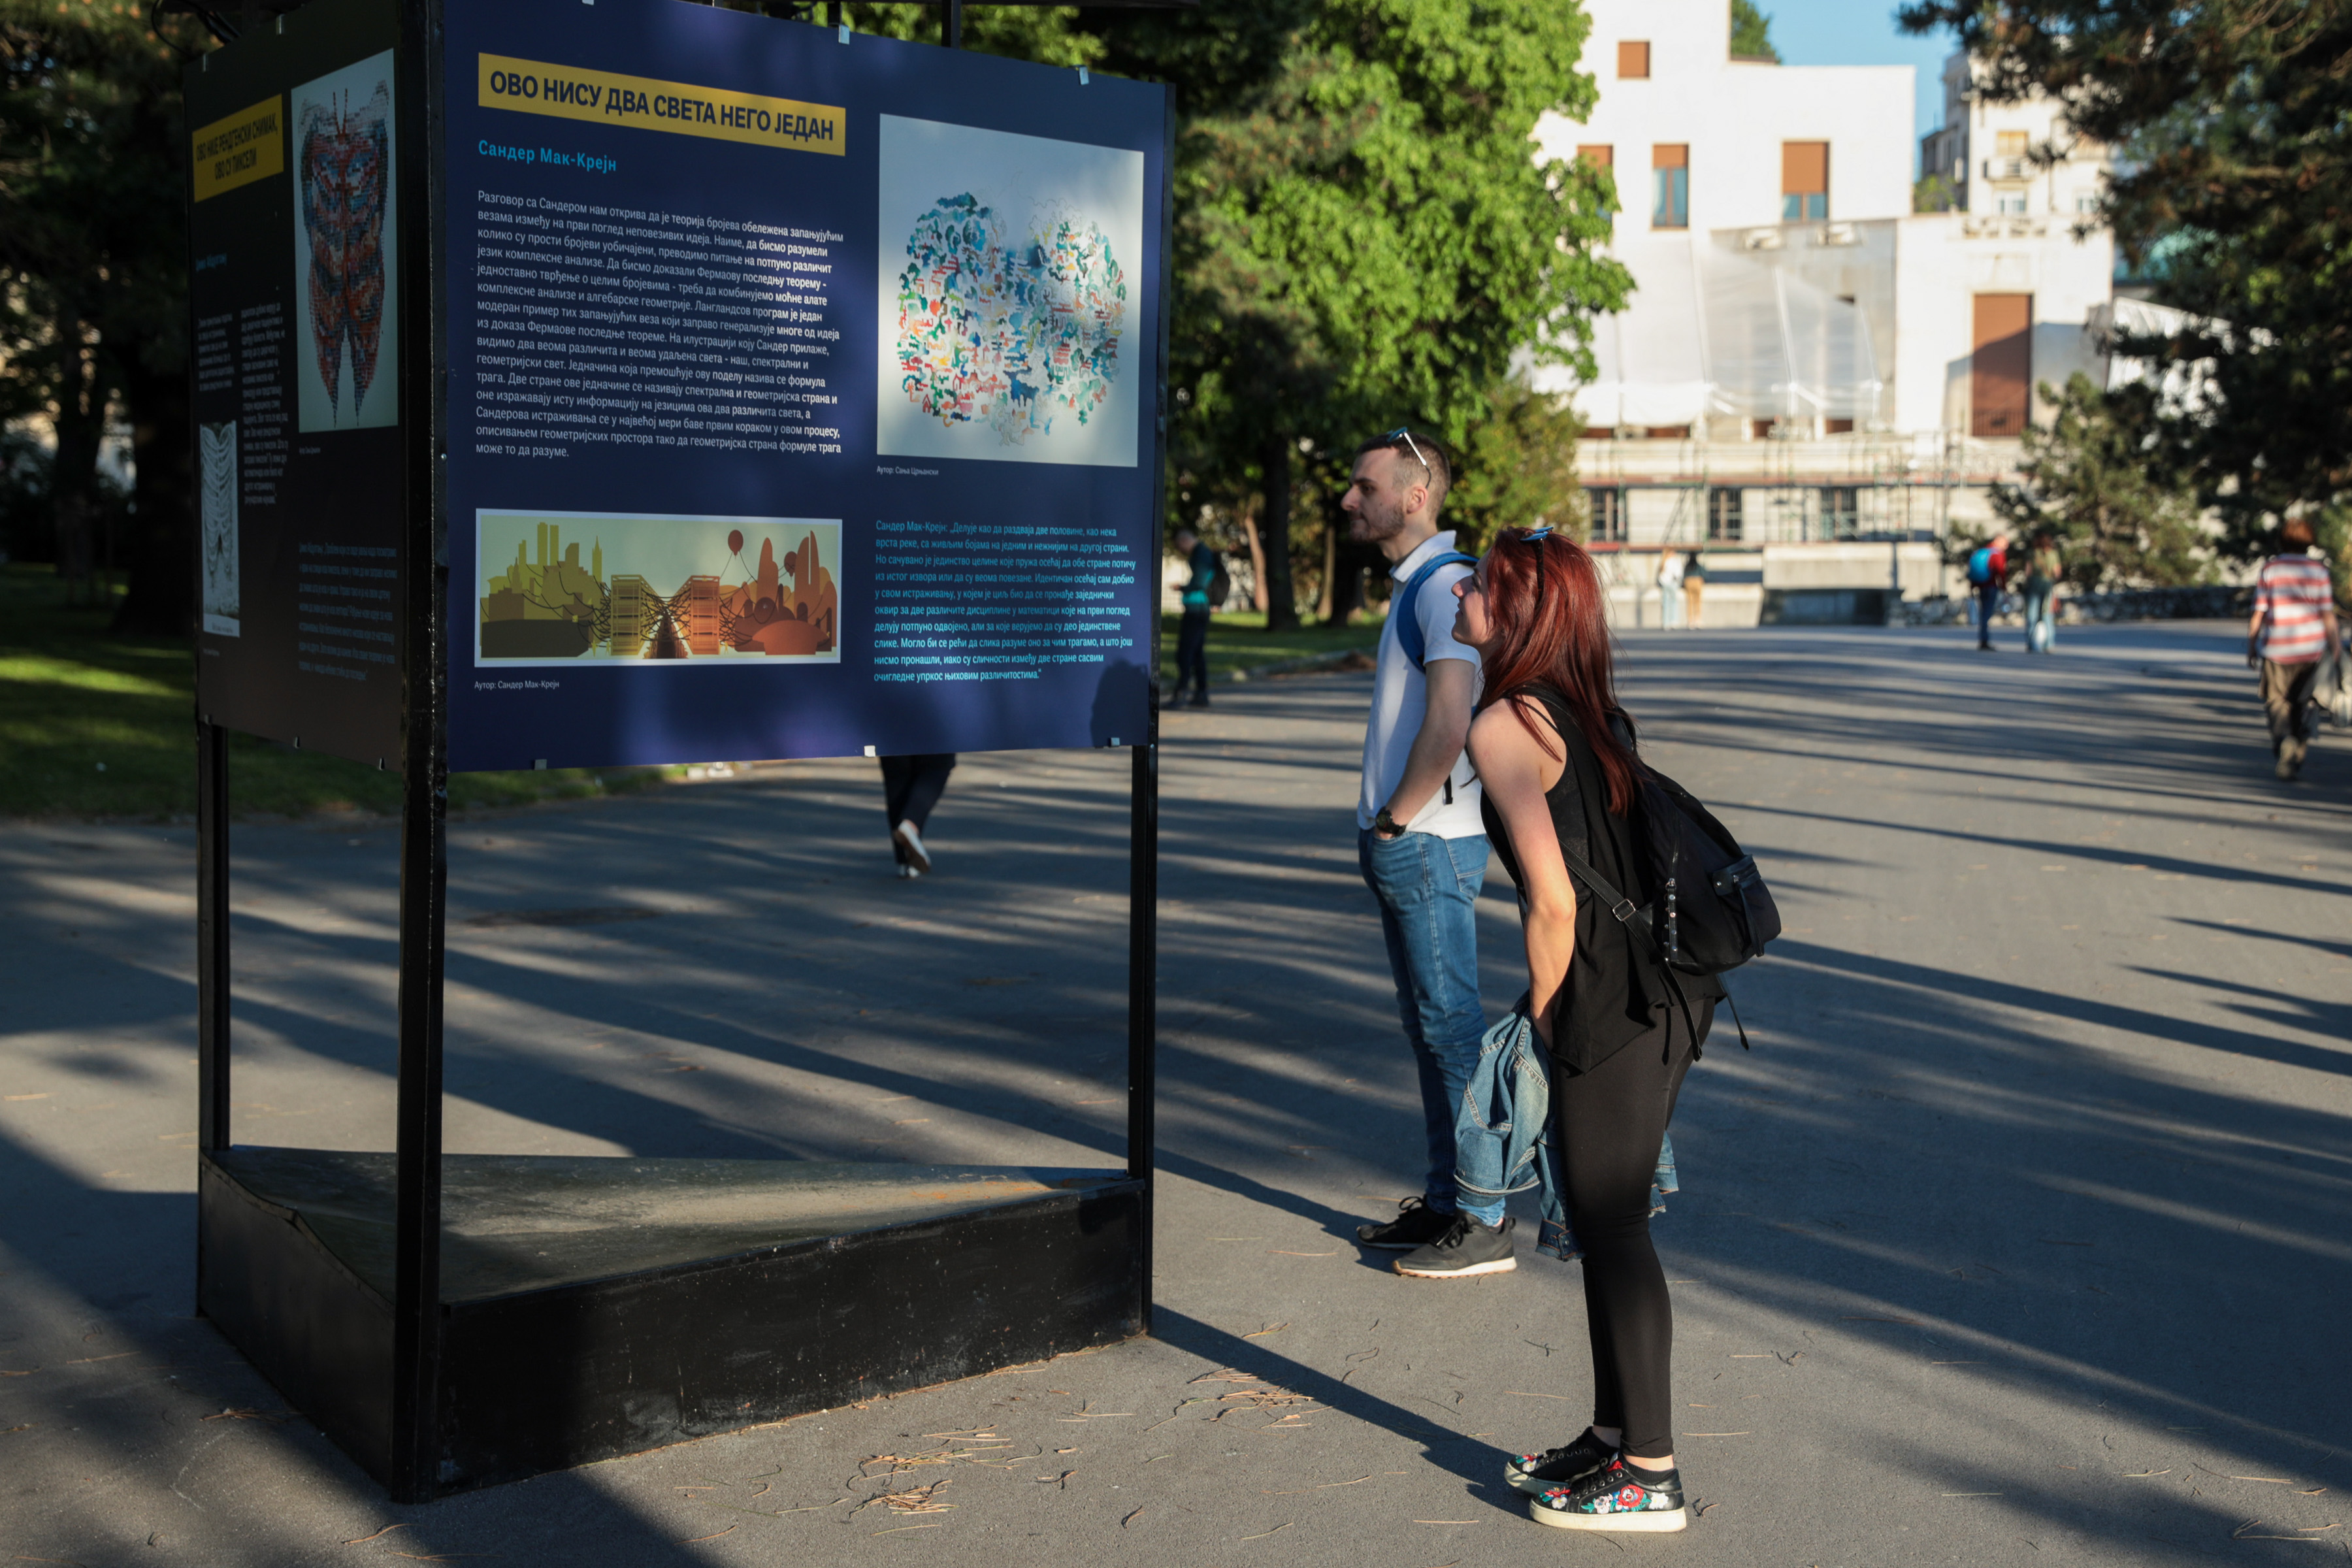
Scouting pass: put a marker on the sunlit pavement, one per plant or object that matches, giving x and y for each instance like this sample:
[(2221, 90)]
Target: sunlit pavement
[(2019, 1238)]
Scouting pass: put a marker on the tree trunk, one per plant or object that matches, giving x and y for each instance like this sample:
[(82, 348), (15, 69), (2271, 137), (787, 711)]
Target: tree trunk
[(1348, 596), (1258, 559), (1327, 591), (80, 431), (1281, 601), (161, 532)]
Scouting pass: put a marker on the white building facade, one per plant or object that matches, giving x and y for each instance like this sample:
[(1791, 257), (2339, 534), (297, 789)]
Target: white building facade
[(1812, 381)]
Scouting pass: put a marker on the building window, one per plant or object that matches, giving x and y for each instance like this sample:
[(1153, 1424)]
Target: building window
[(1723, 513), (2009, 144), (2009, 203), (1632, 61), (1670, 186), (1608, 514), (1837, 426), (2087, 202), (1841, 512), (2000, 365), (1804, 182)]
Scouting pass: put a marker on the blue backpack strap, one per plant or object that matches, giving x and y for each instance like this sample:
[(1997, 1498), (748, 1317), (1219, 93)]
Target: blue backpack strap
[(1410, 636)]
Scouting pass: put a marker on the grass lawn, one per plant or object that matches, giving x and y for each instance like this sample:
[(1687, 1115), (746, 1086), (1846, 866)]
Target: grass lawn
[(1240, 641), (96, 725)]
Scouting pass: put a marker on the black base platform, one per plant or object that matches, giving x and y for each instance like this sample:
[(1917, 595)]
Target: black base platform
[(599, 1307)]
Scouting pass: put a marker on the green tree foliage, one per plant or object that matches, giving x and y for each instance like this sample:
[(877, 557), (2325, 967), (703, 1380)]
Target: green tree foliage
[(1933, 193), (92, 276), (1518, 468), (2090, 481), (2231, 125), (1363, 237), (1751, 33)]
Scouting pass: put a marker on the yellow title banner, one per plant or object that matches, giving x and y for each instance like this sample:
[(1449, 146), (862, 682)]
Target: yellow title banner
[(533, 87), (248, 146)]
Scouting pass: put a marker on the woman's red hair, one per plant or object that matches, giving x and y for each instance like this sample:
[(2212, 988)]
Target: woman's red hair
[(1553, 630)]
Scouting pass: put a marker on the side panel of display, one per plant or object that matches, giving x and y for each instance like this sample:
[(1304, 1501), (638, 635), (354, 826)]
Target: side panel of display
[(801, 393), (295, 225)]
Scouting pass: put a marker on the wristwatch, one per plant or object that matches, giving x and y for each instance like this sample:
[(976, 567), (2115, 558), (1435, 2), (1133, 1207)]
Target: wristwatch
[(1386, 825)]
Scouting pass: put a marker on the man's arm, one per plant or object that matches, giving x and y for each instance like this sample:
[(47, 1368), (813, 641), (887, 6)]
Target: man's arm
[(1445, 727), (2261, 614)]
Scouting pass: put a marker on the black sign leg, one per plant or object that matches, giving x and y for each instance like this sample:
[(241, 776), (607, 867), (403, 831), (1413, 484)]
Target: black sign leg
[(416, 1233), (1142, 978), (212, 952), (952, 24)]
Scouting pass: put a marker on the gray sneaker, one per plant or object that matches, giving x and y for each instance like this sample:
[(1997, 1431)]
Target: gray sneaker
[(1466, 1248), (1416, 1225)]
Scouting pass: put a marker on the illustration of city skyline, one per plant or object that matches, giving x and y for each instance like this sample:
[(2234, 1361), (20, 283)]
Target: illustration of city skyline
[(669, 590)]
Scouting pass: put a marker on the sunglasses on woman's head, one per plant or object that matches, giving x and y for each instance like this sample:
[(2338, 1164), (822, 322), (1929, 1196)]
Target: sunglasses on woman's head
[(1536, 536)]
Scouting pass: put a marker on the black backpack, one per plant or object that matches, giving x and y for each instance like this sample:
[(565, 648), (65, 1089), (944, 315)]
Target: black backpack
[(1718, 912), (1220, 584)]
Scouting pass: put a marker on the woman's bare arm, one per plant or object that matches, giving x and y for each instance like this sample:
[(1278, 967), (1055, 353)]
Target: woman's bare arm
[(1516, 775)]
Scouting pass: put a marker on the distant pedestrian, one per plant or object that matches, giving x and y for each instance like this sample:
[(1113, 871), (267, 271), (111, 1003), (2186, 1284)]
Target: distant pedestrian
[(1670, 588), (911, 786), (1694, 589), (1987, 570), (1561, 775), (2293, 631), (1421, 844), (2043, 568), (1192, 632)]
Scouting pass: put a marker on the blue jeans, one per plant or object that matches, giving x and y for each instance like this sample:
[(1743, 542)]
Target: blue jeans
[(2037, 610), (1427, 888)]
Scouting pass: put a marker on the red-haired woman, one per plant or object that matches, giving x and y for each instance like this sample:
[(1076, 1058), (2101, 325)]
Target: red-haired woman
[(1557, 756)]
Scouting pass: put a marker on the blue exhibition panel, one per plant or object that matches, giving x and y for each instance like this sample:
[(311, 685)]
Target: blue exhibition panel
[(793, 393), (802, 390)]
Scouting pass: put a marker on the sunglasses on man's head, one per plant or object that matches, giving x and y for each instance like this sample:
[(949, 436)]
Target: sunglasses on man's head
[(1405, 435)]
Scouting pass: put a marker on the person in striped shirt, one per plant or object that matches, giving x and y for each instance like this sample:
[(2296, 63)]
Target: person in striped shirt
[(2294, 631)]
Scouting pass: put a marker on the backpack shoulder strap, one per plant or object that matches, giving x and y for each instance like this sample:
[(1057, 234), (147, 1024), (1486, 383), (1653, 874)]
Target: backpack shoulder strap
[(1617, 903), (1410, 636)]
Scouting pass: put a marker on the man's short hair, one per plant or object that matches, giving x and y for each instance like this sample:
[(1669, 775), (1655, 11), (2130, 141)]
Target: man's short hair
[(1184, 529), (2296, 533), (1413, 446)]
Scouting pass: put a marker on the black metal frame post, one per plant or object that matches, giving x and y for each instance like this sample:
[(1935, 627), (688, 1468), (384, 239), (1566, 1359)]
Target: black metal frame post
[(212, 952), (417, 1315), (1143, 821), (952, 24)]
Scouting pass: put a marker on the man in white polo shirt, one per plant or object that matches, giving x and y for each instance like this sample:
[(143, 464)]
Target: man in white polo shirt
[(1420, 841)]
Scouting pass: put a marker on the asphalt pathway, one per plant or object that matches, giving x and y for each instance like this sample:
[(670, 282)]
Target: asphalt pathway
[(2019, 1239)]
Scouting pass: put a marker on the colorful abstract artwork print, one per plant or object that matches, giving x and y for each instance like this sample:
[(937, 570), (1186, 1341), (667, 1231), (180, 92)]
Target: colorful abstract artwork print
[(1008, 325), (343, 158)]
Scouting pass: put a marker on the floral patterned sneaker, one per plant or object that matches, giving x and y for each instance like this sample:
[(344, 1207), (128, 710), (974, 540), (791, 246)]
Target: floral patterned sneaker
[(1614, 1497), (1534, 1473)]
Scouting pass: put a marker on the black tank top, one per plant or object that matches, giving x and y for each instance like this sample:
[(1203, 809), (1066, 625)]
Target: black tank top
[(1616, 991)]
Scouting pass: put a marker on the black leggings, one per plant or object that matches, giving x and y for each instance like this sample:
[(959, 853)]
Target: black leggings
[(911, 785), (1610, 1123)]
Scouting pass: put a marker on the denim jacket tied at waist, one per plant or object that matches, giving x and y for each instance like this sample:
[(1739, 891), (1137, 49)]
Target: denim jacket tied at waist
[(1504, 1141)]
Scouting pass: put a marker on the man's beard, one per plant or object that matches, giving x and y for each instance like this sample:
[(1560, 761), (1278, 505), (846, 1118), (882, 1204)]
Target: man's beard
[(1369, 526)]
